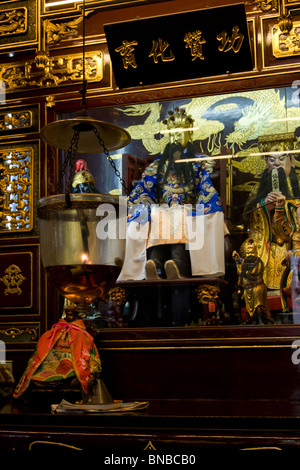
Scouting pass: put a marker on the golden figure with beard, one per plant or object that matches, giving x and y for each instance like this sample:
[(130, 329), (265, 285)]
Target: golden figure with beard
[(278, 179)]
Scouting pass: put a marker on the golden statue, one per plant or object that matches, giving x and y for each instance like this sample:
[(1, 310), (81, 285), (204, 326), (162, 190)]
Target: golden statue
[(209, 297), (286, 227), (250, 269), (279, 178)]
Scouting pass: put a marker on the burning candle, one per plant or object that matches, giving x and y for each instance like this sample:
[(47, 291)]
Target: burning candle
[(85, 259)]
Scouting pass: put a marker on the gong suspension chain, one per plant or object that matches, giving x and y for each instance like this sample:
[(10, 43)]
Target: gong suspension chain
[(69, 160), (112, 163)]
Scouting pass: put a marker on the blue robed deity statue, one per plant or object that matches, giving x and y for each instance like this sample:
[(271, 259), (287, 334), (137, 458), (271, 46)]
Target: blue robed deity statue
[(175, 219)]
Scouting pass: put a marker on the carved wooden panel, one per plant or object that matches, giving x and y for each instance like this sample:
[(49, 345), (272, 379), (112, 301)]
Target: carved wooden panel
[(19, 186), (44, 71), (19, 24), (16, 188), (265, 6), (280, 49), (59, 29), (286, 44), (19, 332), (19, 280), (19, 120), (14, 21)]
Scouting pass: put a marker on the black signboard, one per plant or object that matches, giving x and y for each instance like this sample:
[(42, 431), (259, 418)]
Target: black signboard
[(180, 46)]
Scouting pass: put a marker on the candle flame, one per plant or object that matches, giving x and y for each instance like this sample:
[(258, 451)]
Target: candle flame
[(85, 259)]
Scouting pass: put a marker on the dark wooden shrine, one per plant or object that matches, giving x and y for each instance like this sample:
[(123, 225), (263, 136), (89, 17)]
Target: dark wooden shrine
[(215, 384)]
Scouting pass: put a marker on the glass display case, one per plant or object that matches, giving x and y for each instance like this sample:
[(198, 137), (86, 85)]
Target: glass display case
[(251, 140)]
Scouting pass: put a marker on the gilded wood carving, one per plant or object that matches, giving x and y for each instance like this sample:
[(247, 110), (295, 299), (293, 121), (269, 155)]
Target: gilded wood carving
[(12, 279), (16, 192), (13, 332), (13, 21), (287, 43), (45, 71)]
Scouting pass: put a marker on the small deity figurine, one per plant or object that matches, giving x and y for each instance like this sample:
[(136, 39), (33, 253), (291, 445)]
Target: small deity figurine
[(250, 269), (209, 297), (65, 354), (116, 302), (83, 181)]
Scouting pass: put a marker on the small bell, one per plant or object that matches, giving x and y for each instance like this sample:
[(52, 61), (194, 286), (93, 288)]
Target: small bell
[(98, 393)]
